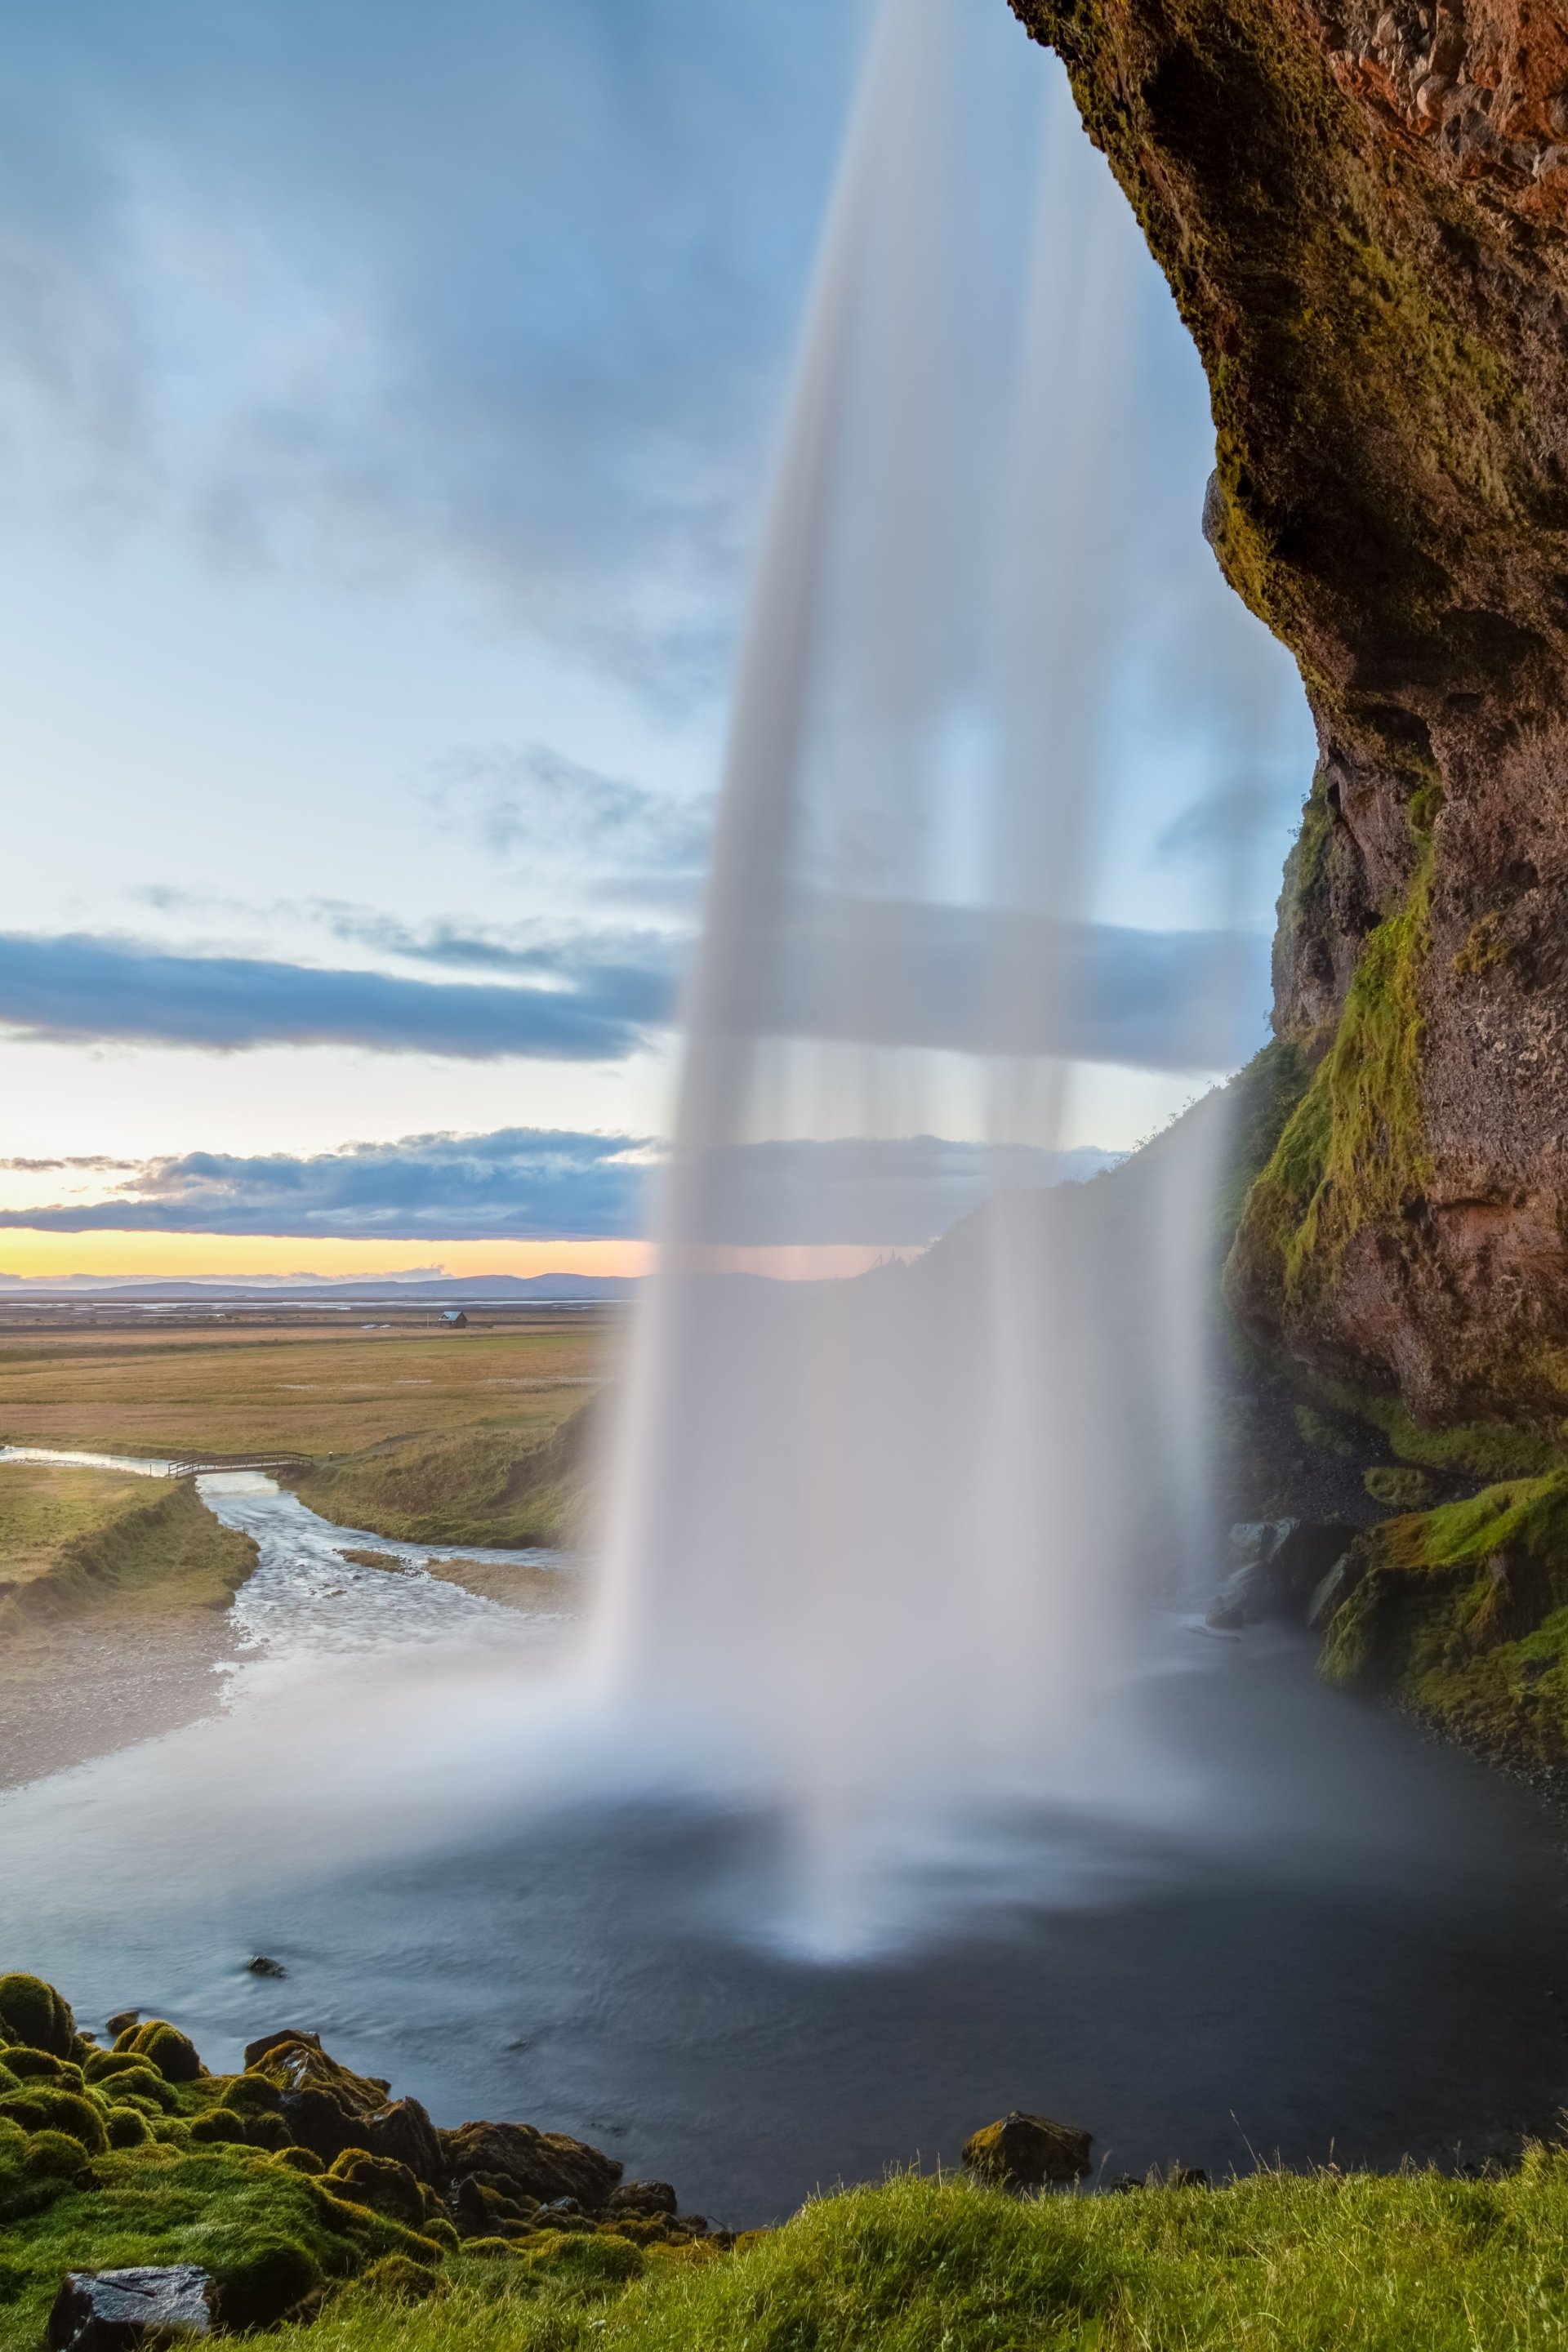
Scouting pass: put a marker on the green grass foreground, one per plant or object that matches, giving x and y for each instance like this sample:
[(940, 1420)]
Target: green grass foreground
[(1414, 2262)]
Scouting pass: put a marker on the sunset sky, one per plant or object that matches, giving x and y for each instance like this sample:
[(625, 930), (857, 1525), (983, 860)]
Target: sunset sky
[(386, 403)]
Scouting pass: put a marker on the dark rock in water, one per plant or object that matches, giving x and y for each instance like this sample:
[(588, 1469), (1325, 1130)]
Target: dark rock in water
[(1177, 2176), (110, 2311), (1281, 1565), (543, 2165), (121, 2023), (1026, 2151), (262, 1966), (642, 2198)]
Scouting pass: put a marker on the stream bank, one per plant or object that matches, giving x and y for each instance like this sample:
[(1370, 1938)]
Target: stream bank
[(142, 1624)]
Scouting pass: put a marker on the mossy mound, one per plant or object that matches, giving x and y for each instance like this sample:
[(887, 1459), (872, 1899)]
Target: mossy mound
[(33, 2013), (1462, 1613), (164, 2048)]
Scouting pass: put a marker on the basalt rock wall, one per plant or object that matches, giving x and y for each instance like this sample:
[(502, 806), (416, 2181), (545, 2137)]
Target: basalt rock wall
[(1363, 215)]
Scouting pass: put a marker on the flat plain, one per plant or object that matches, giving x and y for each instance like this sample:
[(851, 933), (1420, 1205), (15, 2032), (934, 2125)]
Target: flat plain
[(312, 1389)]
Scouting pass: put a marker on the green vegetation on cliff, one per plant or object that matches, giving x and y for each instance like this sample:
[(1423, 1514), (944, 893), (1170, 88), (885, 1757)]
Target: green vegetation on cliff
[(1462, 1613), (1354, 1150)]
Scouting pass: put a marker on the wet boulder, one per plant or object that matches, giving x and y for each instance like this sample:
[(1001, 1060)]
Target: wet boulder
[(543, 2165), (1027, 2152), (641, 2201), (111, 2311), (1278, 1565)]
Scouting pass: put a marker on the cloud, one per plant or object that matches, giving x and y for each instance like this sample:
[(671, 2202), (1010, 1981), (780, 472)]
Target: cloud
[(518, 1183), (509, 286), (532, 1183), (98, 1162), (873, 971), (586, 1008), (537, 801)]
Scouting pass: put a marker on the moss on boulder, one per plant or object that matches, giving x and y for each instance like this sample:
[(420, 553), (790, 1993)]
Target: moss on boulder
[(33, 2013), (1462, 1613)]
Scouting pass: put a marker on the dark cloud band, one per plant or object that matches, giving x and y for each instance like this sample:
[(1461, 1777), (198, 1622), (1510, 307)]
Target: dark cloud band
[(80, 986), (530, 1183), (951, 978)]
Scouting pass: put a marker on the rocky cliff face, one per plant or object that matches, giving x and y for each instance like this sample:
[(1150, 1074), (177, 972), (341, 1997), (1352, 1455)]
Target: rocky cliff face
[(1364, 213)]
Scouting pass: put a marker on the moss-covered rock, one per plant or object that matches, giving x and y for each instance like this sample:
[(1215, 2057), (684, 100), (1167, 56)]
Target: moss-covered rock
[(169, 2052), (379, 2181), (1461, 1612), (46, 2107), (33, 2013)]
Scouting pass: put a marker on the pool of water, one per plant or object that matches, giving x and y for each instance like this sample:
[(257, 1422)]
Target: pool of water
[(1334, 1941)]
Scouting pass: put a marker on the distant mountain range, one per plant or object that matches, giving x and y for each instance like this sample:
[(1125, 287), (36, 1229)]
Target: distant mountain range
[(498, 1288)]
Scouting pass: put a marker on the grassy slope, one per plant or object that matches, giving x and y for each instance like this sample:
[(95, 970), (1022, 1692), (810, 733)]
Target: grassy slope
[(116, 1618), (79, 1542), (1274, 2262), (43, 1507), (515, 1486)]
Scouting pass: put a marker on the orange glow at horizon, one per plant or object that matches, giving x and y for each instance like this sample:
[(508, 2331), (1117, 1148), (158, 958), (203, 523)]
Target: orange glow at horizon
[(173, 1257), (184, 1257)]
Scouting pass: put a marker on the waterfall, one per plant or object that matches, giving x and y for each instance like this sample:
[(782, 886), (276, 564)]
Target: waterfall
[(873, 1543)]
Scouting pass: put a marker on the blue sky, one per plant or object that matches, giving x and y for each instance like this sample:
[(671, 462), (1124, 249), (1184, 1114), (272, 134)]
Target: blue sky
[(385, 401)]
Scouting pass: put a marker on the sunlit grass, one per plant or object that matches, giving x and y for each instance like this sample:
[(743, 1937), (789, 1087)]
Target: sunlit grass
[(1279, 2262)]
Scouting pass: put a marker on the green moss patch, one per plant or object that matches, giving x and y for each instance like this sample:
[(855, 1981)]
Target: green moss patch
[(1462, 1613), (1354, 1149)]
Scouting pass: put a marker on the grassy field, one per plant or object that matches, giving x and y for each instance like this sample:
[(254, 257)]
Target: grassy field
[(243, 1390), (418, 1433)]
